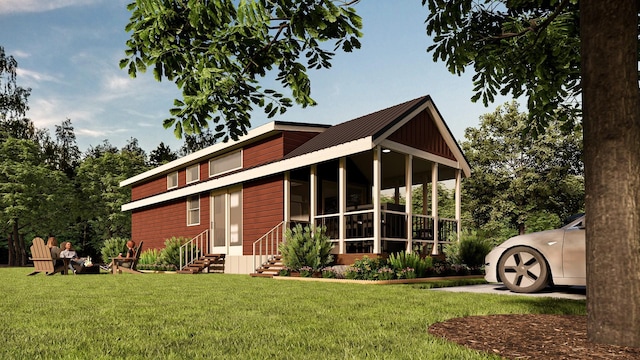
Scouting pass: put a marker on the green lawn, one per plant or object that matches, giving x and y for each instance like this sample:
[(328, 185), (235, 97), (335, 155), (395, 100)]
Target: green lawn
[(214, 316)]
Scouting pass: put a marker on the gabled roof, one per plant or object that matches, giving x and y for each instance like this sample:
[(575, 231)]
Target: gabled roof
[(373, 125), (345, 139)]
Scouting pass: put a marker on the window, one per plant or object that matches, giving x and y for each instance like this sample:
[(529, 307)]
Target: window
[(172, 180), (193, 210), (225, 163), (227, 218), (193, 173)]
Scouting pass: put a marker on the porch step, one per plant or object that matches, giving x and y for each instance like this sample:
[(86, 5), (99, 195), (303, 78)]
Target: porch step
[(271, 268), (211, 263)]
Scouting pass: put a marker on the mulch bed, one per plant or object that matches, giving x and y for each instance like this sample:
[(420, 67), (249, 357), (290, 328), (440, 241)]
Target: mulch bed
[(530, 336)]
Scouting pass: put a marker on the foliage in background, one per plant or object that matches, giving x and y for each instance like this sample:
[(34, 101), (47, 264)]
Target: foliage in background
[(516, 176), (112, 247), (404, 260), (171, 253), (306, 247)]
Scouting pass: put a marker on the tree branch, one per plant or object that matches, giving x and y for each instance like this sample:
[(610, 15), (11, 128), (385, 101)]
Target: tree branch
[(534, 26)]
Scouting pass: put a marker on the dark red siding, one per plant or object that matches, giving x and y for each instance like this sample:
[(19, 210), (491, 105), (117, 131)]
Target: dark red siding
[(154, 225), (262, 151), (153, 187), (263, 209), (422, 133)]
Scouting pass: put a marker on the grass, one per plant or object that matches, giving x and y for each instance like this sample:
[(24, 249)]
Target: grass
[(170, 316)]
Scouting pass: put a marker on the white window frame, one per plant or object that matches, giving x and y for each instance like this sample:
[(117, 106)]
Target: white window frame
[(170, 176), (234, 153), (190, 210), (197, 173)]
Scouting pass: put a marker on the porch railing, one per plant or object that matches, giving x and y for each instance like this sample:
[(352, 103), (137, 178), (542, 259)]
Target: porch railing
[(193, 249), (265, 248)]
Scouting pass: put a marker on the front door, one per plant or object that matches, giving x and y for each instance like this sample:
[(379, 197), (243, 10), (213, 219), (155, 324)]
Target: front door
[(226, 221)]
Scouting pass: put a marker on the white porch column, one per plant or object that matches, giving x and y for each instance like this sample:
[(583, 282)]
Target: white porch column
[(458, 201), (287, 196), (342, 202), (313, 195), (434, 207), (377, 184), (408, 206)]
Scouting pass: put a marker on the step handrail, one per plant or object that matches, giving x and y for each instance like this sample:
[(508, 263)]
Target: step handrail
[(194, 248), (267, 245)]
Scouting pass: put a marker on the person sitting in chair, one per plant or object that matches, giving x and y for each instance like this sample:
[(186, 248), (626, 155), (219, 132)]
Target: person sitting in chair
[(76, 263), (124, 258), (52, 244)]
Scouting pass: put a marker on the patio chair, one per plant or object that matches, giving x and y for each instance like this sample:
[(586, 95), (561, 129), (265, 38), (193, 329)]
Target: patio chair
[(41, 257), (116, 263)]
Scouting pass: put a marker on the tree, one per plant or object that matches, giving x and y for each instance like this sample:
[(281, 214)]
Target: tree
[(551, 53), (516, 175), (216, 52), (67, 151), (195, 142), (611, 103), (161, 155), (13, 98), (33, 197), (99, 180)]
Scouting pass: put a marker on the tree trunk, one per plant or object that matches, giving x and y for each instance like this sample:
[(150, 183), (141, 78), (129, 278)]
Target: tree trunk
[(15, 248), (611, 103), (11, 256)]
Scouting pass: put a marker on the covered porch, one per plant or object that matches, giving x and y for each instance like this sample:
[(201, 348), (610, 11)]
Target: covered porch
[(380, 201)]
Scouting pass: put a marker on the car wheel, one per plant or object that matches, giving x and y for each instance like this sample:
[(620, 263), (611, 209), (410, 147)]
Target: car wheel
[(523, 269)]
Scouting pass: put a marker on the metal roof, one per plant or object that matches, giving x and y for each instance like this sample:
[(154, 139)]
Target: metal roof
[(373, 125)]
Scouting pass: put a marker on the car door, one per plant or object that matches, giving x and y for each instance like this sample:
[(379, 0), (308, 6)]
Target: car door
[(574, 263)]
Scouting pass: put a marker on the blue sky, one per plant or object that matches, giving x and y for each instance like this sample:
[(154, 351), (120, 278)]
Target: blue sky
[(68, 53)]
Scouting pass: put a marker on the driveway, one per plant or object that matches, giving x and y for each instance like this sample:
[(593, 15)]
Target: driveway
[(566, 292)]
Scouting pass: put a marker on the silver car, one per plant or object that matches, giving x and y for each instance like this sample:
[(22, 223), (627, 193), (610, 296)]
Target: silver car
[(528, 263)]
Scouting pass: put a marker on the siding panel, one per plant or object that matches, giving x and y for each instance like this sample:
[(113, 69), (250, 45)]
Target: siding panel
[(422, 133), (154, 225), (263, 209)]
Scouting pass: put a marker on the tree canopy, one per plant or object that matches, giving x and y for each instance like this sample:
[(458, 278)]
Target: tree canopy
[(516, 176), (217, 51), (524, 48)]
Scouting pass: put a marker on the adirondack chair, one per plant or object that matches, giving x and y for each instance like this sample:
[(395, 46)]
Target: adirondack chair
[(117, 268), (41, 257)]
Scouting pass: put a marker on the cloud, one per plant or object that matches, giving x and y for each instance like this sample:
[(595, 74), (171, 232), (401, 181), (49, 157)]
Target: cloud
[(22, 6), (36, 76), (19, 53)]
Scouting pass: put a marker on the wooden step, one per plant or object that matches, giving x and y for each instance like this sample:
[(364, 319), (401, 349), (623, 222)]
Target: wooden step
[(261, 275)]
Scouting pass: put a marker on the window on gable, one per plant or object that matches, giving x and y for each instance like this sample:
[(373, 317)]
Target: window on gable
[(172, 180), (193, 210), (225, 163), (193, 173)]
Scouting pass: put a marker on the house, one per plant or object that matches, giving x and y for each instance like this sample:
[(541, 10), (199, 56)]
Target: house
[(237, 198)]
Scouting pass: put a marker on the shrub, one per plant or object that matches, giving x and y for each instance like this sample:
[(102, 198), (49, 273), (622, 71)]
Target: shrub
[(149, 257), (402, 260), (329, 273), (285, 271), (306, 248), (170, 255), (470, 250), (365, 269), (407, 273), (112, 248), (306, 271), (386, 273)]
